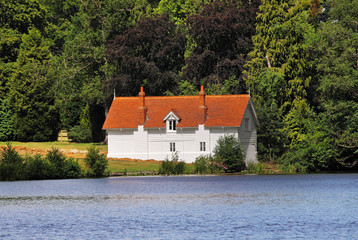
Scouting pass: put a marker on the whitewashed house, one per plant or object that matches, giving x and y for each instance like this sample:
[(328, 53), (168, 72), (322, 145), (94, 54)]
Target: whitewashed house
[(156, 127)]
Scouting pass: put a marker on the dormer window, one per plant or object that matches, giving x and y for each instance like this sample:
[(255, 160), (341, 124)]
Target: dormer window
[(172, 119), (172, 125)]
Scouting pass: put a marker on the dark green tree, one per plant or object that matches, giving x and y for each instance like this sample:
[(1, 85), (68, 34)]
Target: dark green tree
[(220, 39), (97, 163), (11, 165), (34, 114), (228, 151), (150, 54)]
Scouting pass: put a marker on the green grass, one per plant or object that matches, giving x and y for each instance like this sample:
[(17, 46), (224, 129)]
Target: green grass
[(59, 145), (132, 166)]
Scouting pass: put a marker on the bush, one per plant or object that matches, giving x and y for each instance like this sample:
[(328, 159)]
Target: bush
[(255, 168), (37, 168), (96, 163), (81, 134), (72, 169), (173, 166), (57, 163), (11, 166), (201, 165), (228, 151), (207, 164)]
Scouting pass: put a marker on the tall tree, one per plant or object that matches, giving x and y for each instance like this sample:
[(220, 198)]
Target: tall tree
[(150, 54), (34, 115), (221, 36), (279, 71), (336, 44), (81, 68)]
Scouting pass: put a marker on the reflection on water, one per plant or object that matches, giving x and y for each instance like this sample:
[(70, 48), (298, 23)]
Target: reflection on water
[(200, 207)]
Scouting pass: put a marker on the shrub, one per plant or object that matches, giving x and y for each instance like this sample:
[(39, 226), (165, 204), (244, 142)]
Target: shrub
[(201, 165), (207, 164), (228, 151), (37, 168), (179, 167), (96, 163), (72, 168), (57, 163), (11, 166), (167, 167), (173, 166), (81, 134), (255, 168)]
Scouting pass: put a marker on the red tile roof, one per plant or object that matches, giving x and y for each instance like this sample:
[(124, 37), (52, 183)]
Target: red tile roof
[(223, 110)]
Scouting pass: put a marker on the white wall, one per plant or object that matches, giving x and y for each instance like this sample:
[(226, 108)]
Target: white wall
[(248, 136)]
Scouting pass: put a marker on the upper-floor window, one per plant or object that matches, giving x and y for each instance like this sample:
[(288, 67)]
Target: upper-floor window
[(202, 147), (247, 124), (172, 125), (172, 147)]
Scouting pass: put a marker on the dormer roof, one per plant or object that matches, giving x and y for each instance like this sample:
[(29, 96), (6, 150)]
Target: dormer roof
[(172, 114)]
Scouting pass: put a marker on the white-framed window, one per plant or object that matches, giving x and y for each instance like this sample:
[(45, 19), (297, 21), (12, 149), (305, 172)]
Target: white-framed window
[(202, 147), (172, 125), (247, 124), (172, 147)]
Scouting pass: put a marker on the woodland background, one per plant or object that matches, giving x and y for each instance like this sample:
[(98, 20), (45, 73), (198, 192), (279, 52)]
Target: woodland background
[(62, 60)]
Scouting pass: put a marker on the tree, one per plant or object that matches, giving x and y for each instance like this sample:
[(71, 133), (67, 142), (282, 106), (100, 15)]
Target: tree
[(96, 162), (179, 10), (149, 54), (228, 151), (6, 125), (34, 115), (83, 64), (336, 44), (10, 164), (221, 39), (279, 72)]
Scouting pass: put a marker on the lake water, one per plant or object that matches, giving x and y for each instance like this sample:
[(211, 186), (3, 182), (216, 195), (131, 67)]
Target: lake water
[(185, 207)]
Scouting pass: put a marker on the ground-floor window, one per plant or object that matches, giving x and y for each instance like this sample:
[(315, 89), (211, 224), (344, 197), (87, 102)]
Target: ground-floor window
[(172, 147), (202, 147)]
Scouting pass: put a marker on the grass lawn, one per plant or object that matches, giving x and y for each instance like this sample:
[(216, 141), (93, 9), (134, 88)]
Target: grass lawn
[(59, 145), (123, 165)]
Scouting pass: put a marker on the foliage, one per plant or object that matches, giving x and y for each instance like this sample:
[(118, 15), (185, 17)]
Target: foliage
[(228, 151), (222, 34), (30, 94), (80, 134), (149, 54), (97, 163), (6, 126), (54, 166), (179, 10), (336, 41), (172, 166), (255, 168), (57, 160), (37, 168), (279, 74), (72, 168), (11, 166), (207, 164)]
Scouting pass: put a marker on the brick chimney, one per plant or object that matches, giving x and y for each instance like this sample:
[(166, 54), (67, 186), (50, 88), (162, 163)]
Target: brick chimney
[(142, 109), (203, 109)]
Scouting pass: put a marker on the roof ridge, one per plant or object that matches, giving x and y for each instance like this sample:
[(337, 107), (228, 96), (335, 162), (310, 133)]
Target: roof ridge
[(186, 96)]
